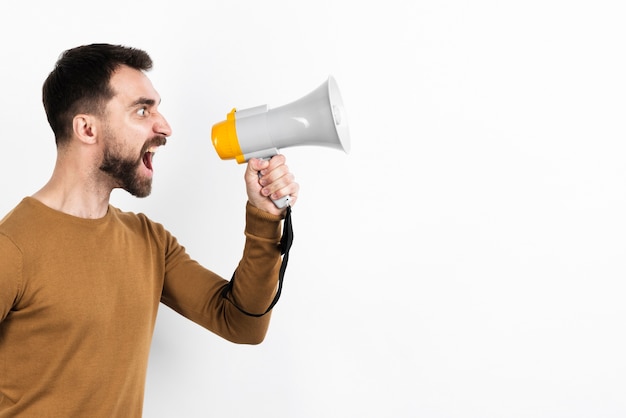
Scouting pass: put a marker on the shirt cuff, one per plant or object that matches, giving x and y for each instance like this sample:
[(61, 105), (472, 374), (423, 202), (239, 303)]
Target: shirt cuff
[(262, 224)]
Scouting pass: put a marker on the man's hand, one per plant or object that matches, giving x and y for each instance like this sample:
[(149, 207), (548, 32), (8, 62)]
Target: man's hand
[(270, 179)]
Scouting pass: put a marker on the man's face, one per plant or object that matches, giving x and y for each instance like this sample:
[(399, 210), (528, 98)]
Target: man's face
[(132, 132)]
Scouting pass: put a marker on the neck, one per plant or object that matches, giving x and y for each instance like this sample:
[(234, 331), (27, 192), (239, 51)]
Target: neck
[(76, 191), (80, 203)]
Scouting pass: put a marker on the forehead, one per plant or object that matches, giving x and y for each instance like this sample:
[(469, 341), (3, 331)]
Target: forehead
[(130, 84)]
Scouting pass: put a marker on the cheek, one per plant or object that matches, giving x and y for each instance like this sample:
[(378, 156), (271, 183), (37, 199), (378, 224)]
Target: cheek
[(128, 132), (126, 142)]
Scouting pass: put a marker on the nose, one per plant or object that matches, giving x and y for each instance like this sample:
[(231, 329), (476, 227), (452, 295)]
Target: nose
[(161, 126)]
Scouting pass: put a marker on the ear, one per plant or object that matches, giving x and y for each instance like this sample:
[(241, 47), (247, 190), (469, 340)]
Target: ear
[(85, 130)]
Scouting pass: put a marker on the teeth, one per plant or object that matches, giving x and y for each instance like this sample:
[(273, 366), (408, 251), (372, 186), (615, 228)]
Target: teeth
[(152, 149)]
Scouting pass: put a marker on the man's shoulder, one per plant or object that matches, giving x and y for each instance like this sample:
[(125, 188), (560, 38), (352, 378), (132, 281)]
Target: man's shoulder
[(20, 211)]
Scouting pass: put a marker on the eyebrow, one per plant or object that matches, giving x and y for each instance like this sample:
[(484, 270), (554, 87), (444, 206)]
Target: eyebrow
[(144, 101)]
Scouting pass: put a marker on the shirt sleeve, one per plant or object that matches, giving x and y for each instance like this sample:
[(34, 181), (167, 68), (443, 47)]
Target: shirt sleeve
[(10, 275), (197, 293)]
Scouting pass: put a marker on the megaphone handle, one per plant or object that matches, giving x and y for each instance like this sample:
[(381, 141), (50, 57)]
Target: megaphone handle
[(283, 202)]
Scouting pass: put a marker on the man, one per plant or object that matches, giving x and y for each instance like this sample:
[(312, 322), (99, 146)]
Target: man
[(81, 281)]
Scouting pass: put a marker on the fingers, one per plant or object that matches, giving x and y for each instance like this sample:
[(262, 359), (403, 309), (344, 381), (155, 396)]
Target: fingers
[(273, 180)]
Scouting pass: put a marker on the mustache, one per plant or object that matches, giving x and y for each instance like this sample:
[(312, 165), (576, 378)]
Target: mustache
[(157, 140)]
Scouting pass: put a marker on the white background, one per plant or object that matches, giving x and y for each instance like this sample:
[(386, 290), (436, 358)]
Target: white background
[(466, 259)]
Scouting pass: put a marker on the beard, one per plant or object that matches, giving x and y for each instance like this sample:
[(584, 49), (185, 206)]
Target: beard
[(125, 170)]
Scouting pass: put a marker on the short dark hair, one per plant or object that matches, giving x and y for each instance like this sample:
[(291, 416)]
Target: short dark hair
[(79, 83)]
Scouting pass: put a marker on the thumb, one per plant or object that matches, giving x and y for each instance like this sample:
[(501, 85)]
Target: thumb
[(258, 164), (254, 166)]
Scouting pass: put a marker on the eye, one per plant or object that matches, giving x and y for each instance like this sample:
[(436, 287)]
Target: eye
[(142, 111)]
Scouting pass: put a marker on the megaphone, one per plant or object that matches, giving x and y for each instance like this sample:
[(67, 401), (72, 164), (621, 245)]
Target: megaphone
[(318, 119)]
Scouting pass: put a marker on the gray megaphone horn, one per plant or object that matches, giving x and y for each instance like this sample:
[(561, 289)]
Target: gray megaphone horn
[(318, 119)]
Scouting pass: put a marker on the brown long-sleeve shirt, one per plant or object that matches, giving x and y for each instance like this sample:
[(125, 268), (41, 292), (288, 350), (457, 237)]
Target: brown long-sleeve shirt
[(79, 298)]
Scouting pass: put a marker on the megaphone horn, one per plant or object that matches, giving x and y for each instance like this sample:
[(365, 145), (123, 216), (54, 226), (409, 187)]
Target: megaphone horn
[(318, 119)]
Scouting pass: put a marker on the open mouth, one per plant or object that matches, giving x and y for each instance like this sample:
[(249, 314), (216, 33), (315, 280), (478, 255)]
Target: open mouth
[(148, 156)]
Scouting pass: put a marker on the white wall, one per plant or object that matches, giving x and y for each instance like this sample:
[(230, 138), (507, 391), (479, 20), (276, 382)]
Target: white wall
[(466, 259)]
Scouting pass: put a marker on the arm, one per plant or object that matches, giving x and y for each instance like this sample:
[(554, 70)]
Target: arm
[(202, 296), (10, 276), (198, 293)]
